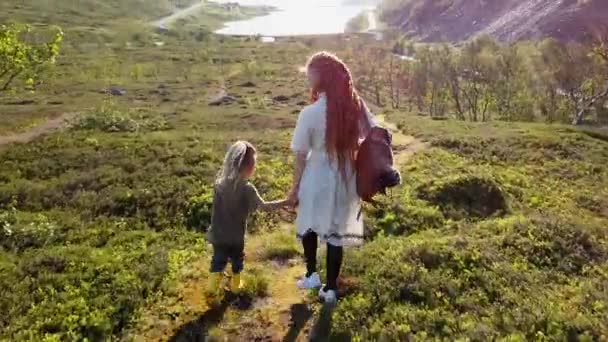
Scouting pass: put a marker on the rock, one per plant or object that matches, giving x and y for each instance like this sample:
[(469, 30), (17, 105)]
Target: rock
[(116, 91), (22, 102), (223, 100), (267, 39), (248, 84), (281, 98), (162, 29)]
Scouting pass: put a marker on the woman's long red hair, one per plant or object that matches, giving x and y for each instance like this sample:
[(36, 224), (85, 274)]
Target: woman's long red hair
[(344, 107)]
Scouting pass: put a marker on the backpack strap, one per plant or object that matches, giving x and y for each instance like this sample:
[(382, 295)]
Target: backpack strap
[(372, 202)]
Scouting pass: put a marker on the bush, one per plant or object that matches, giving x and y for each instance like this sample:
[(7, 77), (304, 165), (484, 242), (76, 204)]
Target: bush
[(404, 219), (109, 118), (256, 283), (557, 244), (446, 285), (198, 210), (76, 293), (279, 245), (466, 197), (40, 232)]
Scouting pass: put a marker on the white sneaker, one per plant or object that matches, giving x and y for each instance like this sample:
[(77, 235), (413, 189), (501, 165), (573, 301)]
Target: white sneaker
[(329, 296), (311, 282)]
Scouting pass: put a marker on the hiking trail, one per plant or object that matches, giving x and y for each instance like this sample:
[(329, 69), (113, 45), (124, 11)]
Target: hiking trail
[(404, 146), (164, 22), (48, 126), (285, 314)]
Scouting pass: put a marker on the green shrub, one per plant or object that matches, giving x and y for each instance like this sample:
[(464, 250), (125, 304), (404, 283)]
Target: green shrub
[(8, 217), (446, 285), (256, 283), (40, 232), (107, 119), (198, 210), (558, 244), (466, 197), (403, 219), (75, 293), (279, 245)]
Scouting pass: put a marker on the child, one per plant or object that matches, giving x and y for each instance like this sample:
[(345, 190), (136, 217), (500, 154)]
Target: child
[(234, 199)]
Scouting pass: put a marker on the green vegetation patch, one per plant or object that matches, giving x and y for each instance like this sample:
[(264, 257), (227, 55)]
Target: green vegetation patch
[(466, 197), (496, 233), (473, 283)]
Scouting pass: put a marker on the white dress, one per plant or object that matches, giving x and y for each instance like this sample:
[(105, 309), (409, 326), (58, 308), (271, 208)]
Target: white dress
[(328, 204)]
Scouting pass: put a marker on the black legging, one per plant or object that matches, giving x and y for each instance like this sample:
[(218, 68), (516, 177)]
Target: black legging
[(334, 259)]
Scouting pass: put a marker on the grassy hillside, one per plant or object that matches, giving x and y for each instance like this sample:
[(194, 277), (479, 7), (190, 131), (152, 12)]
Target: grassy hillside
[(497, 232), (93, 13), (101, 218), (74, 265), (133, 54)]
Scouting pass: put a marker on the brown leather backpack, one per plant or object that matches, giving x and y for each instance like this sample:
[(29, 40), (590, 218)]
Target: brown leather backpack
[(375, 171)]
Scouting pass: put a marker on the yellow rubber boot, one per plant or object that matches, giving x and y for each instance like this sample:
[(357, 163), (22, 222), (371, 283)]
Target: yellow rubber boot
[(214, 282), (236, 284)]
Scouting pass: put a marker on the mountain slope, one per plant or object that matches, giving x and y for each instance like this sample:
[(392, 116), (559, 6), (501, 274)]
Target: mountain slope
[(507, 20)]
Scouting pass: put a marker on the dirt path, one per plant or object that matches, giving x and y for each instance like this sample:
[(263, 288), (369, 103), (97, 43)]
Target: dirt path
[(404, 146), (162, 23), (286, 314), (291, 311), (40, 130)]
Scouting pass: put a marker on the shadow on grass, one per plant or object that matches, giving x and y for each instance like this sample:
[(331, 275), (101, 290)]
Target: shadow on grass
[(198, 329), (300, 314), (321, 331)]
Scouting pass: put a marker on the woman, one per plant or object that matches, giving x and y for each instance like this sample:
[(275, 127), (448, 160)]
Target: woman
[(325, 143)]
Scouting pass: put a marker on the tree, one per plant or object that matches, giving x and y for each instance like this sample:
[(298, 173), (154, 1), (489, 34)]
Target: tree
[(597, 100), (479, 71), (447, 58), (398, 79), (20, 59), (579, 74), (370, 68)]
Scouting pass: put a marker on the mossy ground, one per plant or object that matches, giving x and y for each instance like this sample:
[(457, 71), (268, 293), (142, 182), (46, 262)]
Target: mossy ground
[(100, 222), (533, 272)]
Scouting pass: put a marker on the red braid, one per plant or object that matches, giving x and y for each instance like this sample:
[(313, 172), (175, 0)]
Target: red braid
[(344, 108)]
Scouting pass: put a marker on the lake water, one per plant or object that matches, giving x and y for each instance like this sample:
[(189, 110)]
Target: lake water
[(296, 17)]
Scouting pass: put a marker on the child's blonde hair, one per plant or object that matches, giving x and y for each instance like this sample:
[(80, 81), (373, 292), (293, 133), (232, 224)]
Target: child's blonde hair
[(240, 156)]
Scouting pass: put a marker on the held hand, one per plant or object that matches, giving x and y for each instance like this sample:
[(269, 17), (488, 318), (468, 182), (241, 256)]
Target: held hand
[(292, 199)]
